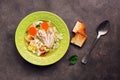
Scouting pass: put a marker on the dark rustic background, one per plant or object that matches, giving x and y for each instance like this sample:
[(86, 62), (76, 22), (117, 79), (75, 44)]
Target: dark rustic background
[(105, 58)]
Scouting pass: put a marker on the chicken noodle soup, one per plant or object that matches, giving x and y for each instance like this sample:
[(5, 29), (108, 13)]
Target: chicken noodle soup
[(41, 37)]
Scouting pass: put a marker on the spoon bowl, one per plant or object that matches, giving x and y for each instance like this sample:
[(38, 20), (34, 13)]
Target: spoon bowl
[(103, 28)]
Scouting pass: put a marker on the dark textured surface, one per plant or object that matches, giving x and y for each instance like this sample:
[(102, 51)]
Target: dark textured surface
[(105, 58)]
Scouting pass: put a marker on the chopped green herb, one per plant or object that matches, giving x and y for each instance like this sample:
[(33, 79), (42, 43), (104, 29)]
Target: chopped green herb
[(73, 59), (26, 32), (38, 26)]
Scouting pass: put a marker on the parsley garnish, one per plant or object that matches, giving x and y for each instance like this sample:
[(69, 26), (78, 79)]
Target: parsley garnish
[(38, 26), (73, 59)]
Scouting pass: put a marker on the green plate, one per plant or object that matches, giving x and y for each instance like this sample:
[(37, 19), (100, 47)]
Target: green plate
[(52, 56)]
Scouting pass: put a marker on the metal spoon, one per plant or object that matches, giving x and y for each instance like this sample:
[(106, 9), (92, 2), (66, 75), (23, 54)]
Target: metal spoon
[(101, 30)]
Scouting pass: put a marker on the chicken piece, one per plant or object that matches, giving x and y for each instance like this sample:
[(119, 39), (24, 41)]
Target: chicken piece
[(47, 37)]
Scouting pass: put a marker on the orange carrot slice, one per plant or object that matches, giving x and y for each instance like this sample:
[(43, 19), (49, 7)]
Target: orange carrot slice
[(45, 25), (32, 31)]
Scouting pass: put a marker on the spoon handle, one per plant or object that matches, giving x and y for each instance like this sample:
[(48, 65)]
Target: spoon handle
[(87, 56)]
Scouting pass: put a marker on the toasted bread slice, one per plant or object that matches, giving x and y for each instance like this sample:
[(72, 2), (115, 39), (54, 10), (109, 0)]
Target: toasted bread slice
[(78, 39), (80, 28), (80, 34)]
